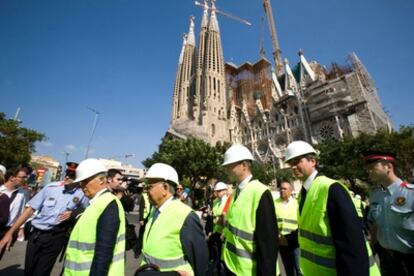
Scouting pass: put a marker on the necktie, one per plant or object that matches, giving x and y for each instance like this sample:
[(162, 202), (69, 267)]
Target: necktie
[(302, 199), (237, 193), (156, 213)]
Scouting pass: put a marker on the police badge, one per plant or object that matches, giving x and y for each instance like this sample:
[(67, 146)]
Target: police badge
[(400, 201)]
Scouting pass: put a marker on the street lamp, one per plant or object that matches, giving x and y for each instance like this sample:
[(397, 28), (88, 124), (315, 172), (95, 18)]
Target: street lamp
[(95, 123)]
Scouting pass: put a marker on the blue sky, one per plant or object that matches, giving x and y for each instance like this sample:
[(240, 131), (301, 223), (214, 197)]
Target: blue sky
[(58, 57)]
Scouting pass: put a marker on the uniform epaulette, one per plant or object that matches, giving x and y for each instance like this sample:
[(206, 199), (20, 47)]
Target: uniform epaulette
[(407, 185), (56, 184)]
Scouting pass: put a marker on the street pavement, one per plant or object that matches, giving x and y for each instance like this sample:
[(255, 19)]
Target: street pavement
[(12, 263)]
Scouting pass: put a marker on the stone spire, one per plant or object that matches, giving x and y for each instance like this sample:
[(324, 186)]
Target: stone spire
[(190, 36), (213, 24), (184, 89), (200, 63), (291, 86), (204, 20), (177, 86), (213, 93), (305, 70)]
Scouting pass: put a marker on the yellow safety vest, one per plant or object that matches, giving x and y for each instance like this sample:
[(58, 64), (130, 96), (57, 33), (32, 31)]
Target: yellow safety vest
[(217, 212), (81, 246), (358, 206), (287, 215), (317, 251), (147, 206), (162, 244), (239, 248)]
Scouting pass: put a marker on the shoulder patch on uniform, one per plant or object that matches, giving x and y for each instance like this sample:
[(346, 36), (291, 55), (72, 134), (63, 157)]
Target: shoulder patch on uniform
[(407, 185)]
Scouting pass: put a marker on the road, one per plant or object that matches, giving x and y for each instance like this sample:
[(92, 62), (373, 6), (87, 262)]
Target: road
[(12, 263)]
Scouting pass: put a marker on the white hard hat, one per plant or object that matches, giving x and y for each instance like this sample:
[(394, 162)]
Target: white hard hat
[(162, 171), (237, 153), (3, 169), (357, 196), (298, 148), (89, 167), (220, 186)]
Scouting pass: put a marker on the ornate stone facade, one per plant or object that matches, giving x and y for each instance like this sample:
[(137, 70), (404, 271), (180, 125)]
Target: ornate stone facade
[(249, 104)]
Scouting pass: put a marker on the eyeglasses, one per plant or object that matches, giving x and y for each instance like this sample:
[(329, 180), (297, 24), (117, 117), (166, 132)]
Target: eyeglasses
[(152, 183), (294, 161), (179, 189)]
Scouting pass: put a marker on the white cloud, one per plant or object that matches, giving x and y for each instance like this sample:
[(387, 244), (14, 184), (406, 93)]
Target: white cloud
[(70, 148), (46, 144)]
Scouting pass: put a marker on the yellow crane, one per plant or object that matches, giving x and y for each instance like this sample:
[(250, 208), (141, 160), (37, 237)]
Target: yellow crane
[(275, 42), (222, 12)]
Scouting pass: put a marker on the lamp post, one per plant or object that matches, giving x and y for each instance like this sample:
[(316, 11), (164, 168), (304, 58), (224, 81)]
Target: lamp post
[(95, 123)]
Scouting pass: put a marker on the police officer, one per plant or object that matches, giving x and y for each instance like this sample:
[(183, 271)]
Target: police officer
[(287, 220), (331, 239), (97, 243), (392, 212), (251, 245), (58, 204), (173, 238)]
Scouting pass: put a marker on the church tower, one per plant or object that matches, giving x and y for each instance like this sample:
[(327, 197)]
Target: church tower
[(199, 99), (184, 88), (213, 89)]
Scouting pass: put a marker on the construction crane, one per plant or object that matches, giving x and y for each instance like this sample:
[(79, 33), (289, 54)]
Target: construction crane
[(122, 156), (275, 42), (222, 12), (261, 46)]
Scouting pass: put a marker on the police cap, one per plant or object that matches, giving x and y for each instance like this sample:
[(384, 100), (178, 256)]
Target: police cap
[(71, 168), (376, 155)]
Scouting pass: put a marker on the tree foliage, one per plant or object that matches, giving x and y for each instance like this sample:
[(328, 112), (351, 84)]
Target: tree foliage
[(194, 160), (342, 159), (16, 143)]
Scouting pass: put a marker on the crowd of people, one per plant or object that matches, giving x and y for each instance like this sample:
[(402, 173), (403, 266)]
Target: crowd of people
[(325, 230)]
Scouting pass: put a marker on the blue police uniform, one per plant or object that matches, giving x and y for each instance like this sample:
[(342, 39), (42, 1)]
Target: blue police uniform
[(48, 235), (392, 209), (52, 201)]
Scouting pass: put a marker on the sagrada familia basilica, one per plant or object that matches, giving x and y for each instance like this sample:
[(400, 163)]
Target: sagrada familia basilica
[(265, 109)]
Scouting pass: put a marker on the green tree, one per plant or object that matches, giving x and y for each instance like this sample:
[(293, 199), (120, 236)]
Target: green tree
[(195, 160), (16, 143), (342, 159), (263, 172)]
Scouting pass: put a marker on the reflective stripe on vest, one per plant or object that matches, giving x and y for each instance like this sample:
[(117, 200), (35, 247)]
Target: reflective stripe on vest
[(286, 213), (326, 262), (316, 238), (165, 264), (81, 245), (77, 266), (161, 243), (241, 252), (239, 248), (240, 233), (88, 245)]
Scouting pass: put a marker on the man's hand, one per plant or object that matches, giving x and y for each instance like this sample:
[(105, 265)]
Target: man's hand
[(183, 273), (6, 241), (283, 241), (65, 216)]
